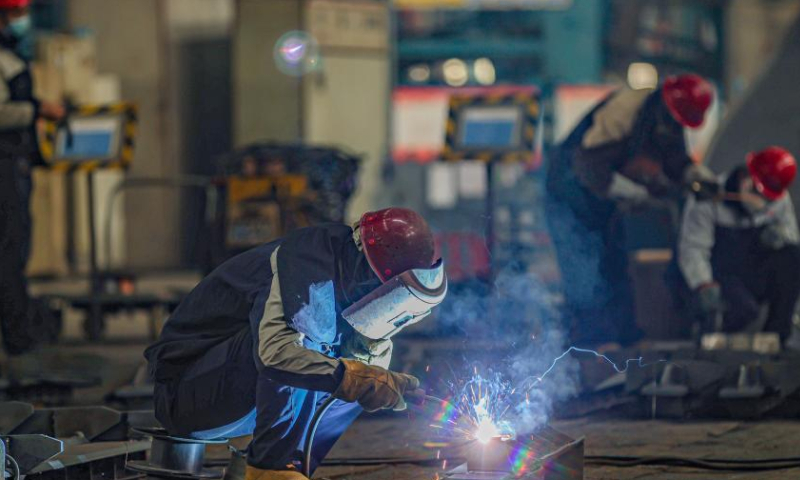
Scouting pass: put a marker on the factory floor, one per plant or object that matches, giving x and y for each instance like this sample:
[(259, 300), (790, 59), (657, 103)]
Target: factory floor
[(397, 437), (393, 435)]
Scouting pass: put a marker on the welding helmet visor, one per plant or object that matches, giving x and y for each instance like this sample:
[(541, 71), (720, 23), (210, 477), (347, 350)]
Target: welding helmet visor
[(403, 300)]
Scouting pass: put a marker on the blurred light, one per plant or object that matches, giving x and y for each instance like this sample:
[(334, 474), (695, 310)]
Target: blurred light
[(642, 75), (484, 71), (296, 53), (486, 431), (455, 72), (419, 73)]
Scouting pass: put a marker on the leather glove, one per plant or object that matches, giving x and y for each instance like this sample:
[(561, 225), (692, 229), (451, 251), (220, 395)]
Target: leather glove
[(253, 473), (710, 298), (373, 387)]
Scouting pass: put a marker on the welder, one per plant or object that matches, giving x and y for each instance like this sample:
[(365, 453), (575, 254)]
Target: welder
[(272, 333), (19, 111), (741, 252), (629, 150)]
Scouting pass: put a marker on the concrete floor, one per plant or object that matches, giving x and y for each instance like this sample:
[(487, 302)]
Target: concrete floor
[(402, 435), (399, 436)]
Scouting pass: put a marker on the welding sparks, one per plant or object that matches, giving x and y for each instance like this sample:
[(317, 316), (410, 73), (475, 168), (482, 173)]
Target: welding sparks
[(478, 406)]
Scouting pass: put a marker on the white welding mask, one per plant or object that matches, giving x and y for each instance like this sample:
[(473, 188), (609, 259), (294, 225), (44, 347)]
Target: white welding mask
[(403, 300)]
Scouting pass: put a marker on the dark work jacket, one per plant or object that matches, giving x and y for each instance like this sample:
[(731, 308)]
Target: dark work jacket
[(232, 297), (20, 141), (653, 134)]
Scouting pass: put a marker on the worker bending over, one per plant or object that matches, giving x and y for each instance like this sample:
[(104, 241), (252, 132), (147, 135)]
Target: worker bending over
[(740, 251), (270, 334), (629, 150)]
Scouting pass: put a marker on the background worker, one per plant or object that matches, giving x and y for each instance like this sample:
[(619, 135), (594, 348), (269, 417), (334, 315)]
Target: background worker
[(742, 252), (20, 317), (262, 341), (630, 149)]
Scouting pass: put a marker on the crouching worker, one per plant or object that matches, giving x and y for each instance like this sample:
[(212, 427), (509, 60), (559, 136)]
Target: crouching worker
[(739, 251), (272, 333)]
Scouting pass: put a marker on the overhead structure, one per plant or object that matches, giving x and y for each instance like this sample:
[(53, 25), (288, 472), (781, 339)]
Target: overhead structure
[(767, 115)]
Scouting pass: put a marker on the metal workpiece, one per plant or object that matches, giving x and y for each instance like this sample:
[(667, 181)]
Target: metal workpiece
[(30, 451), (544, 455), (748, 384), (93, 423), (92, 461), (175, 457)]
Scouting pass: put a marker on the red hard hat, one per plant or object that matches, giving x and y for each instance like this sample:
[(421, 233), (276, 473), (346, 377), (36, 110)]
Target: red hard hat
[(773, 170), (687, 98), (395, 240), (9, 4)]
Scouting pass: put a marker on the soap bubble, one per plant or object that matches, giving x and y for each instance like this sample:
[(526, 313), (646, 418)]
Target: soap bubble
[(297, 53)]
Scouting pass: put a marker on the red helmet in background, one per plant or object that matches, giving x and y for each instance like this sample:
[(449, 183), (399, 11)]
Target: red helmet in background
[(395, 240), (687, 98), (9, 4), (773, 170)]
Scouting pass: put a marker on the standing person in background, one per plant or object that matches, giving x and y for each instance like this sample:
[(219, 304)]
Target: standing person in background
[(744, 251), (19, 152), (629, 150)]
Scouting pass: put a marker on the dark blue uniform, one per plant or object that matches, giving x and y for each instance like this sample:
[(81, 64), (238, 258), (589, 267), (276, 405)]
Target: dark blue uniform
[(18, 153), (216, 367)]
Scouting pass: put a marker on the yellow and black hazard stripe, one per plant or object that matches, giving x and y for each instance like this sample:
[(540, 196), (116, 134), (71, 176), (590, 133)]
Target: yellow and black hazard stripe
[(126, 110), (527, 101)]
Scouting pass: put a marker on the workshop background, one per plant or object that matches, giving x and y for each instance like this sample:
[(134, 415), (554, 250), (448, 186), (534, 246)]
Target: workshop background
[(233, 122)]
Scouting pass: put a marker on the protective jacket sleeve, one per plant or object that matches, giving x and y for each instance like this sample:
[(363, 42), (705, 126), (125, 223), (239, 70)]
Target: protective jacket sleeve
[(787, 220), (13, 114), (280, 347), (696, 242), (605, 146)]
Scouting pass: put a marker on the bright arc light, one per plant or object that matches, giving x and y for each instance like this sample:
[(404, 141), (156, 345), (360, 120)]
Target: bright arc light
[(486, 431)]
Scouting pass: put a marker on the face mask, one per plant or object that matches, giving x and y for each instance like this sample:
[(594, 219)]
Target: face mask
[(19, 28)]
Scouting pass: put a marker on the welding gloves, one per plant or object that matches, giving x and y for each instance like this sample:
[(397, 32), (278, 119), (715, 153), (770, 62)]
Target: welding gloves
[(373, 387)]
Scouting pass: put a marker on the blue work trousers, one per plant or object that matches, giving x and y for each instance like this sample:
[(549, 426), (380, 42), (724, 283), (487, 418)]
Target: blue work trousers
[(222, 394)]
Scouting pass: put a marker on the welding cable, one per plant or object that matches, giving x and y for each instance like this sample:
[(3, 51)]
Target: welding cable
[(15, 473), (312, 431), (704, 463)]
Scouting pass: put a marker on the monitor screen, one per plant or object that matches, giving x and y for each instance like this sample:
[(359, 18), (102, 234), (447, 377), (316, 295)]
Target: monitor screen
[(490, 127), (92, 138)]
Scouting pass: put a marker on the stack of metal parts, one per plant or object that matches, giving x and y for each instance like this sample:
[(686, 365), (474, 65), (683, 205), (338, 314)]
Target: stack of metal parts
[(47, 388), (331, 173), (72, 443), (545, 455), (704, 383)]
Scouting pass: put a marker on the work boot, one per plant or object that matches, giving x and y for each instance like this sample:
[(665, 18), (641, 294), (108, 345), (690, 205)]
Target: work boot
[(253, 473)]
